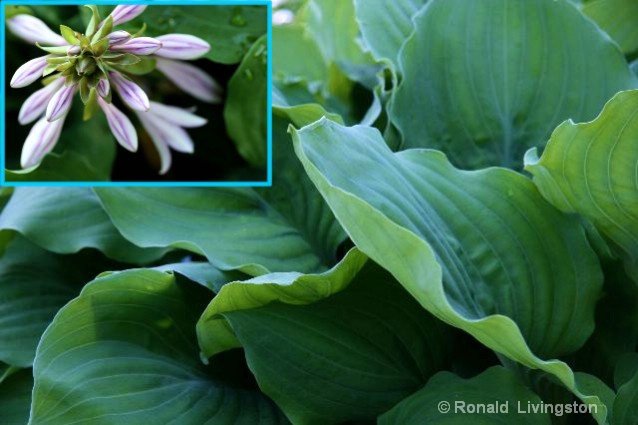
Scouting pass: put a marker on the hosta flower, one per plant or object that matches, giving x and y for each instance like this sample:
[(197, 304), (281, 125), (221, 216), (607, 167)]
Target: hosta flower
[(102, 60)]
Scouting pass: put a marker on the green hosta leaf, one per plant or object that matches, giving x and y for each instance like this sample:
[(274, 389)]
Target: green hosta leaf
[(294, 288), (480, 250), (34, 285), (300, 115), (590, 169), (385, 25), (125, 352), (341, 346), (203, 273), (288, 42), (496, 387), (247, 103), (15, 397), (66, 220), (485, 97), (230, 30), (233, 228), (618, 18), (333, 25), (626, 403)]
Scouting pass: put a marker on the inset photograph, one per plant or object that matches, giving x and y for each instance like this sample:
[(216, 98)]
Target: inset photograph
[(136, 94)]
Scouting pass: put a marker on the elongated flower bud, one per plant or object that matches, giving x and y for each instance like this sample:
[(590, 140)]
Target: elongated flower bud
[(182, 46), (61, 102), (176, 116), (191, 79), (123, 13), (73, 50), (36, 104), (140, 46), (29, 72), (117, 37), (171, 134), (40, 141), (104, 88), (33, 30), (130, 93), (120, 125), (158, 139)]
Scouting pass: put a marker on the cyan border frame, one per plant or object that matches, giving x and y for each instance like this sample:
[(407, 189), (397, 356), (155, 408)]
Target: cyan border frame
[(269, 171)]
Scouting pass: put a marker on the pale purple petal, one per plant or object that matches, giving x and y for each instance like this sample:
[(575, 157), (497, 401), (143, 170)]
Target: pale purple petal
[(182, 46), (61, 102), (138, 46), (174, 136), (29, 72), (104, 88), (123, 13), (36, 104), (177, 116), (158, 140), (117, 37), (33, 30), (120, 125), (73, 50), (130, 93), (40, 141), (191, 79)]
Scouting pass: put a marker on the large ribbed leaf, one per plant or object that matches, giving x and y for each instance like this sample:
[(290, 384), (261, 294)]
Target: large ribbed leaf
[(487, 79), (497, 388), (590, 169), (385, 25), (34, 285), (66, 220), (125, 352), (481, 250), (285, 229), (341, 346), (619, 18)]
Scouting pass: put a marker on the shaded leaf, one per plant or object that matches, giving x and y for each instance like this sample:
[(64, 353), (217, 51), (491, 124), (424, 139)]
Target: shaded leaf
[(126, 349), (246, 108), (348, 344), (66, 220)]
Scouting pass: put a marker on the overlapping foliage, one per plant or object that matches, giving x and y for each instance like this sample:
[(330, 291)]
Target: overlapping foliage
[(433, 233)]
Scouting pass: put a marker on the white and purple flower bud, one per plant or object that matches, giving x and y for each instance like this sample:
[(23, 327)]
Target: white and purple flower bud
[(157, 137), (191, 79), (73, 50), (29, 72), (36, 104), (61, 102), (124, 13), (130, 93), (182, 46), (140, 46), (172, 135), (103, 88), (177, 116), (120, 125), (33, 30), (117, 37), (40, 141)]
